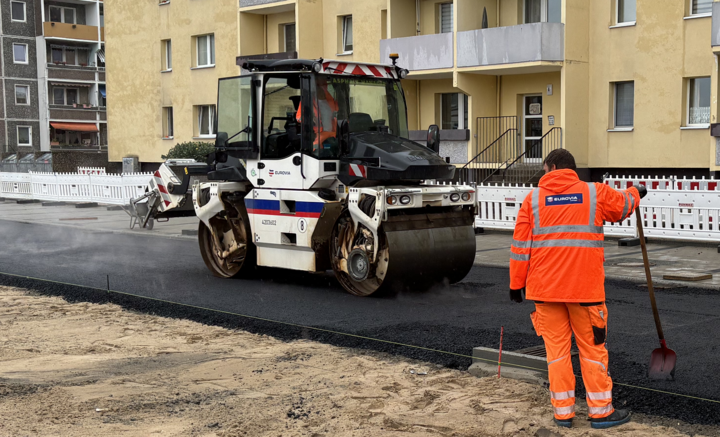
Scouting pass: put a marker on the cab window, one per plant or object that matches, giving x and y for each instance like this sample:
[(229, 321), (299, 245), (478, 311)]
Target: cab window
[(281, 131)]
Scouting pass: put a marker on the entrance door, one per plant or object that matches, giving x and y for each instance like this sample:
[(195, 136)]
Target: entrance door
[(533, 128)]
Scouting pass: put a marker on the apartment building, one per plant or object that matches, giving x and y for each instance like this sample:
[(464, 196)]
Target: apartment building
[(71, 71), (19, 113), (53, 75), (628, 86)]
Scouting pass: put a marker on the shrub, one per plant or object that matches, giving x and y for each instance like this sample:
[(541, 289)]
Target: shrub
[(190, 150)]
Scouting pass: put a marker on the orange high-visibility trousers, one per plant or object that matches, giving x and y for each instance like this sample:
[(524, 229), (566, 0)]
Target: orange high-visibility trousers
[(556, 322)]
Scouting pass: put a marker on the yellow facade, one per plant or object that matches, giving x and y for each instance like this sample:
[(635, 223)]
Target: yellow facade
[(134, 31), (660, 53)]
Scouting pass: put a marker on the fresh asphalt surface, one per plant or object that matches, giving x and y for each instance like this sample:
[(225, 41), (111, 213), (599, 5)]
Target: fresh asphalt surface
[(449, 318)]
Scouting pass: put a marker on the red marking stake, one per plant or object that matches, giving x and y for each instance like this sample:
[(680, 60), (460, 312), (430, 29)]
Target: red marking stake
[(502, 329)]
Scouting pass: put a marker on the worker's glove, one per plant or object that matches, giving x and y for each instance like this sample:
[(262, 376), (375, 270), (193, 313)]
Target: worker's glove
[(642, 190), (517, 295)]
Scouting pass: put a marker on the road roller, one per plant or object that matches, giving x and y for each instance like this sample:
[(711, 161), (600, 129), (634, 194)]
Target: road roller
[(313, 170)]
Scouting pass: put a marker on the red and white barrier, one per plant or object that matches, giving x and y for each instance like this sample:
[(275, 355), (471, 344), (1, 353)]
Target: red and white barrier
[(91, 170), (669, 213), (663, 183)]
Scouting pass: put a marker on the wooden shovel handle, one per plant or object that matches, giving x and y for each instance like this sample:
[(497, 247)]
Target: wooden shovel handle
[(651, 290)]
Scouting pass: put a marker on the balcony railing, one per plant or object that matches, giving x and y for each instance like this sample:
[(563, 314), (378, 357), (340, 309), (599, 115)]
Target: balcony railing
[(511, 45), (71, 31), (422, 52)]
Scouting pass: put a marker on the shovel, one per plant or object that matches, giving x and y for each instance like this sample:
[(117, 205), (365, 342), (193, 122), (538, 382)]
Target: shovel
[(662, 360)]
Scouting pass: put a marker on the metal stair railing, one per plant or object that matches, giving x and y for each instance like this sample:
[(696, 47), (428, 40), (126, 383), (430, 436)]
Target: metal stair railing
[(501, 136), (521, 172)]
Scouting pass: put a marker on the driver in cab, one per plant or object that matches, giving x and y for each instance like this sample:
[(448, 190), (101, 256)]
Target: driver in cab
[(325, 109)]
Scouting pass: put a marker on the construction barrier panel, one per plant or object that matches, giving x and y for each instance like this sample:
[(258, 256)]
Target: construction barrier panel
[(16, 186), (74, 187), (669, 213), (663, 183)]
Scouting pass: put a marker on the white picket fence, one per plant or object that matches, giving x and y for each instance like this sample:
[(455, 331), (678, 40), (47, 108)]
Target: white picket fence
[(111, 189), (683, 212)]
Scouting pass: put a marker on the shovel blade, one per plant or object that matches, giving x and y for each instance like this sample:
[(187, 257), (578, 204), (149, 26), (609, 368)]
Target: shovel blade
[(662, 364)]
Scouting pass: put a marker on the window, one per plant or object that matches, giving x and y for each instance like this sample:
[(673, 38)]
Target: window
[(65, 96), (625, 11), (698, 102), (289, 30), (17, 11), (24, 135), (166, 55), (62, 15), (22, 95), (454, 111), (347, 34), (543, 11), (20, 53), (446, 18), (168, 122), (68, 55), (624, 104), (281, 131), (701, 7), (206, 120), (205, 51)]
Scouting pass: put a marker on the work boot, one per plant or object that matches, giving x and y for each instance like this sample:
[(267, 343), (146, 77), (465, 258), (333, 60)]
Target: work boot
[(564, 423), (618, 417)]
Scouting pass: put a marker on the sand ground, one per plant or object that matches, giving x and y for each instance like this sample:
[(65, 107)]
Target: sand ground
[(80, 369)]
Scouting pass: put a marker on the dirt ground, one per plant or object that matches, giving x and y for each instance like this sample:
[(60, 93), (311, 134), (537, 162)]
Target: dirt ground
[(87, 370)]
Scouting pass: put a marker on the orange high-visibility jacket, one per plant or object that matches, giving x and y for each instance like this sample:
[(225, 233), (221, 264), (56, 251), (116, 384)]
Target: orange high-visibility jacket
[(557, 252), (325, 123)]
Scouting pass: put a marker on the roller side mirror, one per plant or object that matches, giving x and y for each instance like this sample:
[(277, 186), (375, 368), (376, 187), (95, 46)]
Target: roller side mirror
[(221, 139), (433, 138)]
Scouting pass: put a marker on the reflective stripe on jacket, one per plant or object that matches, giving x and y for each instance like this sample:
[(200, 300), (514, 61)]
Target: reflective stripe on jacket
[(557, 251)]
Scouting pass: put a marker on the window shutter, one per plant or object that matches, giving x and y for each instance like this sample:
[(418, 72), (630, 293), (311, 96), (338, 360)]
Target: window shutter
[(446, 17), (624, 104)]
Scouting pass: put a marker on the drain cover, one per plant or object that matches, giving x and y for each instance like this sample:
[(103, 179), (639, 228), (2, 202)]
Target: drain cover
[(630, 264)]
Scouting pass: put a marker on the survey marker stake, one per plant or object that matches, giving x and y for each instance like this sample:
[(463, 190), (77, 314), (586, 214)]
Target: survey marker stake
[(502, 328)]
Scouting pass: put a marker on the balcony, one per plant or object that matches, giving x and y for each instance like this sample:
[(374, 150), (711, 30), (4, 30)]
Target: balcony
[(68, 112), (423, 52), (73, 72), (78, 32), (524, 48), (251, 3)]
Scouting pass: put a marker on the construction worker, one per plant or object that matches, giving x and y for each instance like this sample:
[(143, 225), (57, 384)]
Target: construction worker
[(557, 261), (325, 109)]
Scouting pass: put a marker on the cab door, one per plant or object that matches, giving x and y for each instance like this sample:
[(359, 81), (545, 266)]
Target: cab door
[(281, 133)]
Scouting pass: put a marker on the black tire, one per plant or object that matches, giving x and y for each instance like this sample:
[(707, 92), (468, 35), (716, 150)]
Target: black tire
[(242, 264), (358, 288)]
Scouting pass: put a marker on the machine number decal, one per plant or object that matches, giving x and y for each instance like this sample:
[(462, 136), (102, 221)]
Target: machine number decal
[(302, 226)]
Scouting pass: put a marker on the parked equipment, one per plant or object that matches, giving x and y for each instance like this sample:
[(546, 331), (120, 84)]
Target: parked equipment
[(313, 171), (663, 359)]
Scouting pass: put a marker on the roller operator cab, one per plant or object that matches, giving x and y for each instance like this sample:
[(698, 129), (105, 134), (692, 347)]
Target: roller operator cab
[(313, 170)]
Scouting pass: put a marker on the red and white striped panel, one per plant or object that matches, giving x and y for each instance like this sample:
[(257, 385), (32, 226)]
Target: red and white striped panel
[(161, 187), (360, 70), (358, 170)]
